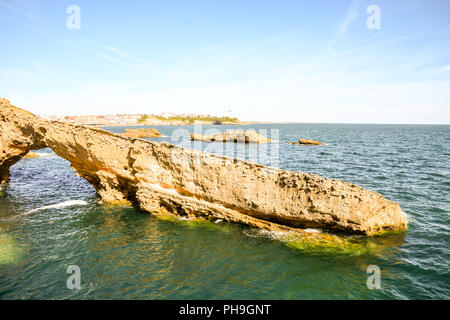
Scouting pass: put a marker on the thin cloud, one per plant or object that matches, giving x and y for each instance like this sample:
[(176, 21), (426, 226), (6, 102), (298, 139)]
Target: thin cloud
[(118, 56), (126, 55), (21, 22), (122, 58), (351, 16), (406, 69), (113, 60), (26, 14), (115, 55)]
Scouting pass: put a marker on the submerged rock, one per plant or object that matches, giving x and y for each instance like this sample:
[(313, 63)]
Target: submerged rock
[(142, 133), (249, 136), (167, 180), (10, 250)]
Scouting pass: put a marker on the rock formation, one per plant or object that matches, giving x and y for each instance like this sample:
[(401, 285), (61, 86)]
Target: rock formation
[(249, 136), (168, 180), (141, 133), (307, 142)]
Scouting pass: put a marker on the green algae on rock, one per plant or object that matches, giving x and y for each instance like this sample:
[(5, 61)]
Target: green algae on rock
[(349, 245)]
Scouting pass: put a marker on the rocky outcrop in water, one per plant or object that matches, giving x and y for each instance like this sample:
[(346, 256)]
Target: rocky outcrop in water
[(142, 133), (164, 179), (307, 142), (249, 136)]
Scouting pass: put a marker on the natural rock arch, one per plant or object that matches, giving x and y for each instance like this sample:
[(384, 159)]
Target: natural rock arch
[(170, 180)]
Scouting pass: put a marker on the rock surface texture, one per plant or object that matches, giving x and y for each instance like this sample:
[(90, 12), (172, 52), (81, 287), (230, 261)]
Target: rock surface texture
[(164, 179), (248, 136)]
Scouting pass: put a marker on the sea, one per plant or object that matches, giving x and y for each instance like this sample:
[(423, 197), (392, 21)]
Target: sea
[(58, 242)]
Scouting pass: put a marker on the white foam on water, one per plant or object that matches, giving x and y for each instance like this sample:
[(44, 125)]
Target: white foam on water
[(69, 203), (44, 154), (262, 233), (275, 235), (313, 230)]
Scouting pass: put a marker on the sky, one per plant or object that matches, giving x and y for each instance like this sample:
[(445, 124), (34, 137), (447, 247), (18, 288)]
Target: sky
[(299, 61)]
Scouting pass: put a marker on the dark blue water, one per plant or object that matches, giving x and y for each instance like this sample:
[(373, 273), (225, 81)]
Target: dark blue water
[(124, 253)]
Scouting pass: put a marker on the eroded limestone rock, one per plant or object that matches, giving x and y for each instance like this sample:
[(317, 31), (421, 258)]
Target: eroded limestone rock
[(248, 136), (165, 179)]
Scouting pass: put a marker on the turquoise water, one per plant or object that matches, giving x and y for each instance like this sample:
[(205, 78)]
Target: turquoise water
[(128, 254)]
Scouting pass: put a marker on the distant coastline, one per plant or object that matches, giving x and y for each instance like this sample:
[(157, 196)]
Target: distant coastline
[(146, 120), (135, 120)]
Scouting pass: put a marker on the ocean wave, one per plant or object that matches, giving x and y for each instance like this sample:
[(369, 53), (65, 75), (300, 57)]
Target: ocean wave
[(262, 233), (275, 235), (313, 230), (44, 154), (185, 218), (69, 203)]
